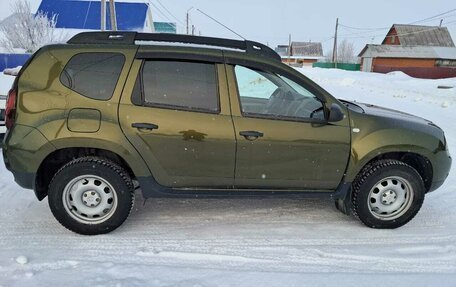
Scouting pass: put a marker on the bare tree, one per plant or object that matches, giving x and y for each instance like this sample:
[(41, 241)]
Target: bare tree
[(28, 31), (345, 53)]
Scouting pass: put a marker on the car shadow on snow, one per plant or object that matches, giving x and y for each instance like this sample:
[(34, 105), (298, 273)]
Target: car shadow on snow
[(235, 213)]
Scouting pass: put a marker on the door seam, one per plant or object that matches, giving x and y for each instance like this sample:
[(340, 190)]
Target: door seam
[(232, 121)]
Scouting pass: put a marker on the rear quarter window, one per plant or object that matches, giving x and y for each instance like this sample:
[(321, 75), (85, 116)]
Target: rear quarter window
[(93, 75)]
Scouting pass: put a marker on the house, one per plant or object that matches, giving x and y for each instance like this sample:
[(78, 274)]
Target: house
[(85, 15), (418, 35), (301, 53), (419, 51)]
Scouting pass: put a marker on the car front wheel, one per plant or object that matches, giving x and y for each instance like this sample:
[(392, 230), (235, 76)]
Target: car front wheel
[(387, 194)]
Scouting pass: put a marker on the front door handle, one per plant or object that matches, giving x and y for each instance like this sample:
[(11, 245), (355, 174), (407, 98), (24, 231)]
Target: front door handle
[(251, 135), (145, 126)]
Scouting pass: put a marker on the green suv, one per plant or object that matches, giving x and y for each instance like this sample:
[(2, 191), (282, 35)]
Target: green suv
[(91, 121)]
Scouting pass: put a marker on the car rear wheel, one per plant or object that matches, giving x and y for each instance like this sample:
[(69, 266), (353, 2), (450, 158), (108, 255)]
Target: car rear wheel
[(387, 194), (91, 195)]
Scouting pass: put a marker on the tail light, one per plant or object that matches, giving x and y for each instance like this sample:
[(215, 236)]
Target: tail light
[(10, 113)]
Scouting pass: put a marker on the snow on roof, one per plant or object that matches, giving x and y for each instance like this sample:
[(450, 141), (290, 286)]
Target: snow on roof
[(302, 50), (303, 57), (421, 52), (306, 49), (86, 14), (418, 35)]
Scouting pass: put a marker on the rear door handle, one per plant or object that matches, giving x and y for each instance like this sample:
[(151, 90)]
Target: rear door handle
[(145, 126), (251, 135)]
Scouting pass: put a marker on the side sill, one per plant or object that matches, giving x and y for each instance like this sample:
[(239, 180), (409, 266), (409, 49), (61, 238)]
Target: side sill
[(151, 189)]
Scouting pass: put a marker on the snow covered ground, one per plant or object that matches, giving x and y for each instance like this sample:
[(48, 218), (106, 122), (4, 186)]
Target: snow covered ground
[(253, 242)]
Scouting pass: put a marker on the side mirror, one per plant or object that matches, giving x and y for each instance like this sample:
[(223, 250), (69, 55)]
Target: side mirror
[(335, 113)]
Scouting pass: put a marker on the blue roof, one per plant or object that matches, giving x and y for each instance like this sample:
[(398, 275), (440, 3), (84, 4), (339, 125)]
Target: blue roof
[(86, 14)]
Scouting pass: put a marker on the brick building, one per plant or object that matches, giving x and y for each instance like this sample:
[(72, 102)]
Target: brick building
[(419, 51)]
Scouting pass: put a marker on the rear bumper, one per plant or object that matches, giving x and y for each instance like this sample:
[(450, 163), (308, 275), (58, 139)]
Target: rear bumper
[(23, 179), (23, 150)]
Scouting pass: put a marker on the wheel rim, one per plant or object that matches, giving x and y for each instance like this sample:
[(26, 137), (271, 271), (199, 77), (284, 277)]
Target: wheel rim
[(390, 198), (89, 199)]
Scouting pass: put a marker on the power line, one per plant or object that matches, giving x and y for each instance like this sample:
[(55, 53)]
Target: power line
[(359, 28), (160, 12), (172, 15), (435, 16), (218, 22), (403, 34), (451, 22), (418, 21), (361, 33), (370, 30), (438, 18)]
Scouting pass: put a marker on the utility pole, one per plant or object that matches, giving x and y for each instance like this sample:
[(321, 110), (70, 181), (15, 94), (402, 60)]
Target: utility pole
[(187, 18), (334, 55), (193, 29), (103, 15), (441, 20), (112, 11), (289, 48)]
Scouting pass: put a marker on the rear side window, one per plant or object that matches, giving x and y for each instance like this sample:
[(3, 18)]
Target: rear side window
[(93, 75), (181, 85)]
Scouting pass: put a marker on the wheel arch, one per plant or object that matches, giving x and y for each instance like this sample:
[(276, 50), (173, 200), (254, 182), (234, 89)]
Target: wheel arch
[(418, 161), (58, 158)]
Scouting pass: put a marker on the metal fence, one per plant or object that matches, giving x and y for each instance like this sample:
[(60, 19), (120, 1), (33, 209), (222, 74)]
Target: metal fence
[(342, 66), (12, 60)]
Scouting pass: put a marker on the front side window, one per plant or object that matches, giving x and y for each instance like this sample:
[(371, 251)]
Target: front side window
[(265, 94), (181, 85), (93, 75)]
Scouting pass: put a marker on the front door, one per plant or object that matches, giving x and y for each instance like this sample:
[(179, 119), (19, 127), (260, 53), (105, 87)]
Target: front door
[(178, 118), (282, 140)]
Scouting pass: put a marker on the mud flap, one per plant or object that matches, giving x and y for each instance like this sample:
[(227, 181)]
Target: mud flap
[(342, 198)]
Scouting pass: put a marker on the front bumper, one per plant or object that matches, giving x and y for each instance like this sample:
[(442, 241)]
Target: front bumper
[(442, 165)]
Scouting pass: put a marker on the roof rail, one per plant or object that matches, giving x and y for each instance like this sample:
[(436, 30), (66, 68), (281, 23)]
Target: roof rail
[(129, 38)]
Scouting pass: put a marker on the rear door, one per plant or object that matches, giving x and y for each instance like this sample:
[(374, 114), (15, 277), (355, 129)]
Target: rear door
[(177, 116)]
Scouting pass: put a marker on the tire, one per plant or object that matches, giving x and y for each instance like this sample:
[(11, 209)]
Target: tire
[(91, 195), (387, 194)]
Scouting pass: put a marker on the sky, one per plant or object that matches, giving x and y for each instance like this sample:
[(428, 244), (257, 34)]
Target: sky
[(271, 22)]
